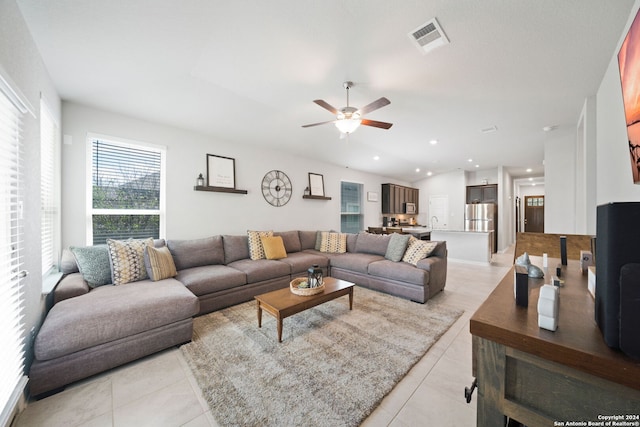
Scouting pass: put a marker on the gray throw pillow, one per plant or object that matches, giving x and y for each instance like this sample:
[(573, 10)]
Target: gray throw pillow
[(397, 246), (93, 263)]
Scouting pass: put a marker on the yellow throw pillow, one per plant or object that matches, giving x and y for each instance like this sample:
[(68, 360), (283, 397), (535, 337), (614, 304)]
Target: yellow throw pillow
[(417, 250), (127, 260), (159, 263), (256, 251), (273, 247), (333, 242)]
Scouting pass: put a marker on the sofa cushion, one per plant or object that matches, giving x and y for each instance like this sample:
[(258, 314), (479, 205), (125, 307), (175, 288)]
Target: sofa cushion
[(196, 252), (207, 279), (235, 248), (109, 313), (417, 250), (68, 264), (400, 271), (256, 251), (273, 247), (291, 240), (261, 269), (307, 239), (127, 259), (333, 242), (354, 262), (368, 243), (93, 264), (159, 263), (397, 246), (301, 261), (352, 240)]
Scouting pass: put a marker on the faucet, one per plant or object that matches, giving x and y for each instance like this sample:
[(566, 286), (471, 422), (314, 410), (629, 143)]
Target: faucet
[(432, 218)]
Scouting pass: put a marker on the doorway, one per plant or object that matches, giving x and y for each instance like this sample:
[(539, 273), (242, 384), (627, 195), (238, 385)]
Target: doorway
[(534, 214)]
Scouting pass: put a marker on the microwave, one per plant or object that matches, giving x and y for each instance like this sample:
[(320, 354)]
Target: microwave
[(410, 208)]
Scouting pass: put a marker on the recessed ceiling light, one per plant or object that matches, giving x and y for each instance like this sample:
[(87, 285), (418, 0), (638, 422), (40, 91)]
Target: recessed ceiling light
[(429, 173), (417, 169), (534, 184), (550, 128), (530, 179), (376, 157), (477, 166), (470, 160), (433, 142), (529, 170)]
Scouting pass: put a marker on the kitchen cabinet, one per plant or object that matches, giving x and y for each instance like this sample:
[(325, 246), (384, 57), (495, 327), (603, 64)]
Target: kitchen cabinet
[(482, 193), (395, 196)]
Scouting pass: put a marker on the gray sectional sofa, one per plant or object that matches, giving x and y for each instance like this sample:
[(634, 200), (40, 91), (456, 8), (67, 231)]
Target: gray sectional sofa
[(90, 330)]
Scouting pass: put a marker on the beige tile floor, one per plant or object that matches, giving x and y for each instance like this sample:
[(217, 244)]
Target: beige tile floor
[(160, 390)]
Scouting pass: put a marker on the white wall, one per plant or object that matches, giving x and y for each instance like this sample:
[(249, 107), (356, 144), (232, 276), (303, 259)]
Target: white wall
[(450, 184), (21, 61), (478, 177), (614, 181), (559, 177), (193, 214)]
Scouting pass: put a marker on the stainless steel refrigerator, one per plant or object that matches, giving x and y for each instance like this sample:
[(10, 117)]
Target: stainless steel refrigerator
[(479, 217), (482, 217)]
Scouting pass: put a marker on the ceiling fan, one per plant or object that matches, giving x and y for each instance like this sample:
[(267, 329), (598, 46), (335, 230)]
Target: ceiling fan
[(348, 119)]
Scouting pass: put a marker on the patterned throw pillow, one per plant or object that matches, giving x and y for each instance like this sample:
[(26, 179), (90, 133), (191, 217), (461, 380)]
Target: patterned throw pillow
[(417, 250), (256, 251), (159, 263), (127, 260), (333, 242), (273, 247), (397, 246), (93, 263)]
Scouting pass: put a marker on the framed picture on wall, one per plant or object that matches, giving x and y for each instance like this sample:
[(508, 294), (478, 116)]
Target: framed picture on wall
[(316, 184), (221, 171)]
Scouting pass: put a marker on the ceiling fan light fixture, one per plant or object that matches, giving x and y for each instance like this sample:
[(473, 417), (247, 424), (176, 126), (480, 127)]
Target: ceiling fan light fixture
[(348, 125)]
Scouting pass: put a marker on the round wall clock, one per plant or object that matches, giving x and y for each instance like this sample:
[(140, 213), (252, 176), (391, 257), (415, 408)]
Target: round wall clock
[(276, 188)]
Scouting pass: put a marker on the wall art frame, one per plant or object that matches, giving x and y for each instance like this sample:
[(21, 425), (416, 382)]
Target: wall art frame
[(316, 184), (221, 171)]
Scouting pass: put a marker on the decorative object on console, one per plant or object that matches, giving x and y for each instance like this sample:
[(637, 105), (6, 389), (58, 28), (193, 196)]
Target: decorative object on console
[(521, 285), (200, 180), (276, 188), (221, 171), (548, 307), (307, 192), (533, 271), (348, 119)]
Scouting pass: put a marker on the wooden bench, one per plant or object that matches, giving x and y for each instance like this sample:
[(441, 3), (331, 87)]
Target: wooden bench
[(539, 243)]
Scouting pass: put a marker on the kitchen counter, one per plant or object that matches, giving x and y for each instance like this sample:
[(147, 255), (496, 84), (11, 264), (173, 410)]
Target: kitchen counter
[(467, 246)]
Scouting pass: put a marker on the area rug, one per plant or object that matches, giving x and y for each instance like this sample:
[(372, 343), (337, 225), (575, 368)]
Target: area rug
[(333, 367)]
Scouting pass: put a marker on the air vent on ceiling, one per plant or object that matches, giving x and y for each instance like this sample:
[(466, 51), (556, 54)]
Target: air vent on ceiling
[(428, 36)]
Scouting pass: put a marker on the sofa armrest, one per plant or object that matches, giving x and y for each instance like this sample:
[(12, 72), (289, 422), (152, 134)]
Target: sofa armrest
[(71, 285), (436, 265)]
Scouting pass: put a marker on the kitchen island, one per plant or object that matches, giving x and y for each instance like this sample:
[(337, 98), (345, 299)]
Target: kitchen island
[(466, 246)]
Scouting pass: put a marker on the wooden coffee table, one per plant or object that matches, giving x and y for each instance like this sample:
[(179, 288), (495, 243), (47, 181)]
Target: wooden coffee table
[(283, 303)]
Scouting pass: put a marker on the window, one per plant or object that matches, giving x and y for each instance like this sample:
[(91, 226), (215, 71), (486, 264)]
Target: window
[(351, 217), (49, 185), (126, 190), (12, 378)]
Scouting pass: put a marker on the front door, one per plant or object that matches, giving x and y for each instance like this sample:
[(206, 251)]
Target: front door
[(534, 214)]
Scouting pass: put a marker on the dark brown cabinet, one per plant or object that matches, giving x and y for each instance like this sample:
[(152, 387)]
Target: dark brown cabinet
[(395, 196), (482, 193)]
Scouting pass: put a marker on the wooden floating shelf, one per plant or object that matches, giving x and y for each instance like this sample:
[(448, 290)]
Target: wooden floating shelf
[(316, 197), (219, 189)]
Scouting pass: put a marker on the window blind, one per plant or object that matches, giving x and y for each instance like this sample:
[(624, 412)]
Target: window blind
[(351, 216), (12, 378), (127, 186), (49, 200)]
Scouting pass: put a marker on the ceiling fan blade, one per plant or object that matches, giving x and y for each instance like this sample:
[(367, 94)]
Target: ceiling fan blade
[(316, 124), (374, 105), (326, 105), (376, 124)]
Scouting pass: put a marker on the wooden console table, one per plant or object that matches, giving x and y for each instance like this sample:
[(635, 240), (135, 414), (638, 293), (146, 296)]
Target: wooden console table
[(544, 378)]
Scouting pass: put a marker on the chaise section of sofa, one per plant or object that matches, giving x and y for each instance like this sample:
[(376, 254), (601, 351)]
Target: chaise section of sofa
[(107, 327)]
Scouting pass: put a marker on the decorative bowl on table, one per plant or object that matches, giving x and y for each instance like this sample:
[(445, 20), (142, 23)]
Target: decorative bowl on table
[(300, 286)]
